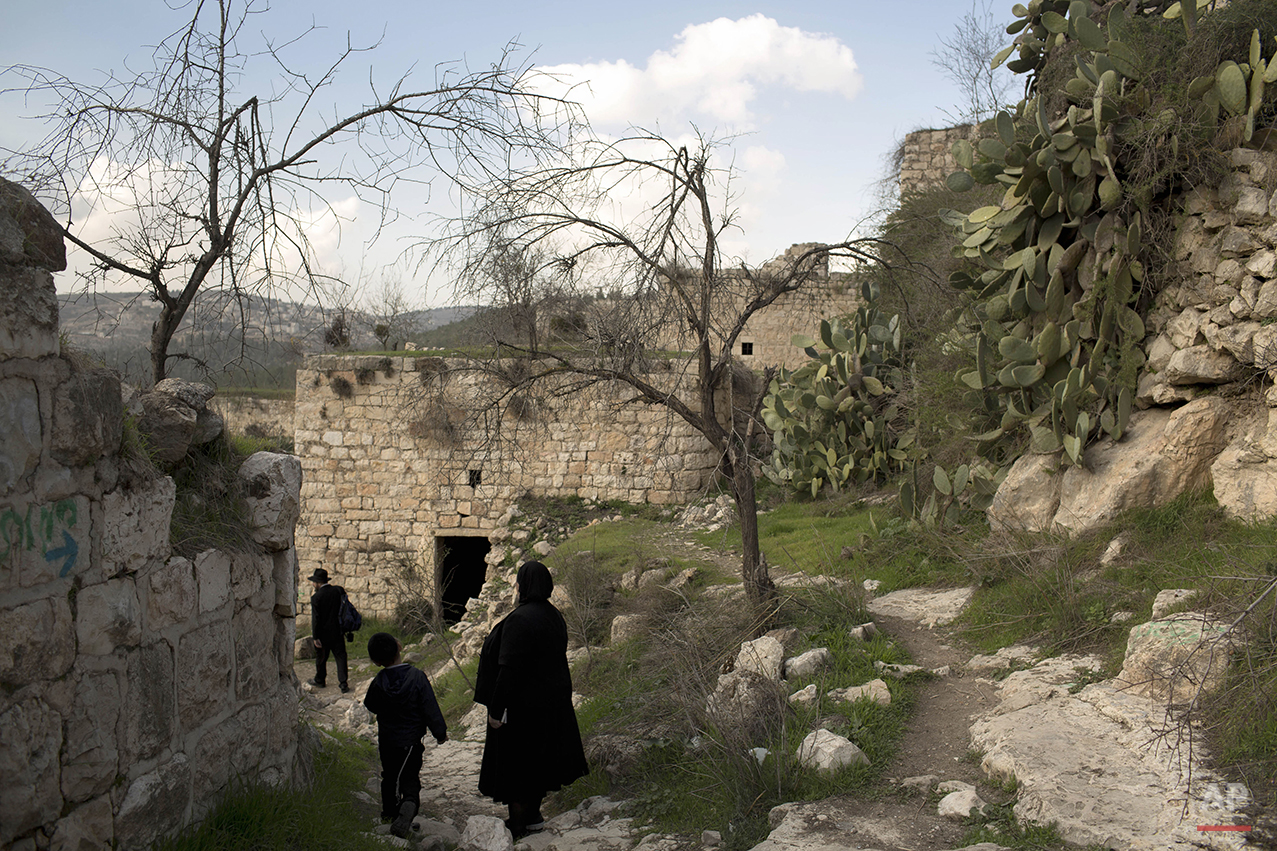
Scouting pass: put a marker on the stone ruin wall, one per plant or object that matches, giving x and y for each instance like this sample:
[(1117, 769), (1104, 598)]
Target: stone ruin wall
[(928, 157), (1208, 406), (387, 459), (768, 333), (136, 685), (255, 416)]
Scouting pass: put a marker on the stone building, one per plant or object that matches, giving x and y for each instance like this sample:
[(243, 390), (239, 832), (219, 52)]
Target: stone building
[(398, 470)]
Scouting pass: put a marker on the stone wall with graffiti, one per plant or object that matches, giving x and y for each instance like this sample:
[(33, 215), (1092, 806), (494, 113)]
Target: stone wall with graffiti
[(134, 685)]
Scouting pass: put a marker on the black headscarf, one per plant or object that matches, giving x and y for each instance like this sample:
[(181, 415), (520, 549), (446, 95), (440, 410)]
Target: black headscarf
[(534, 581)]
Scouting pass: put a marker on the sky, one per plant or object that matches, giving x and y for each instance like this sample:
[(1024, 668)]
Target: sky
[(816, 93)]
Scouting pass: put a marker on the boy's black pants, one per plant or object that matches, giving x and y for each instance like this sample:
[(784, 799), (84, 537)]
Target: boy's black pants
[(400, 776)]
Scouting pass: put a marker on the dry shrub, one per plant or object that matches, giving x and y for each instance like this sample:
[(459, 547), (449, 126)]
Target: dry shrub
[(341, 386)]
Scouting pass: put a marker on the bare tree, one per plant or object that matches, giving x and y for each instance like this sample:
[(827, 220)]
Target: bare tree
[(211, 188), (389, 313), (966, 58), (642, 219)]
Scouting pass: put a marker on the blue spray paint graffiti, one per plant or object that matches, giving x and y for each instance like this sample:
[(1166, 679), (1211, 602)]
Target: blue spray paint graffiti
[(44, 527)]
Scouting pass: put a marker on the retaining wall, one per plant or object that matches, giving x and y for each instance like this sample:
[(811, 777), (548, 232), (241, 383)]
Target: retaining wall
[(136, 685)]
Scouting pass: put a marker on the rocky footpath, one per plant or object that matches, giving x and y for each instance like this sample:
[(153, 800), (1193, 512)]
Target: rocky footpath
[(1099, 759)]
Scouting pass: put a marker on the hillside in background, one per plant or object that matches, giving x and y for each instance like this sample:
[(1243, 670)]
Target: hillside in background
[(250, 342)]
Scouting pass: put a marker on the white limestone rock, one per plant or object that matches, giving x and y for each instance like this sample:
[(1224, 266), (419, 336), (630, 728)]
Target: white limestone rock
[(486, 833), (806, 664), (1176, 659), (874, 691), (273, 484), (958, 805), (828, 751), (927, 606), (762, 656)]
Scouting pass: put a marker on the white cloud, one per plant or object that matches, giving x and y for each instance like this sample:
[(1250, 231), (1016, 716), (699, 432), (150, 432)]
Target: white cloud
[(714, 71)]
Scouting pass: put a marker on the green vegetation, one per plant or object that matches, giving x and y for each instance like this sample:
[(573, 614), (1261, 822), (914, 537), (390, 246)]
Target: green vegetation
[(209, 509), (837, 421), (323, 817), (687, 768)]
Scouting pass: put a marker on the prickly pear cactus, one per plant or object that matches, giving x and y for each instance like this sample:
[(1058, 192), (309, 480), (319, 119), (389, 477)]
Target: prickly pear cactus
[(837, 421), (1056, 267)]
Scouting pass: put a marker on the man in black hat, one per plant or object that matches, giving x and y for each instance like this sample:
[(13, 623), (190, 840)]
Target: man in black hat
[(326, 630)]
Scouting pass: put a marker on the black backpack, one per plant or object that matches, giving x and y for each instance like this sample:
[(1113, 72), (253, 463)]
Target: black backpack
[(348, 618)]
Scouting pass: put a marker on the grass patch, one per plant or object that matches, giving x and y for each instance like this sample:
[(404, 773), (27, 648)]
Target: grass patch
[(324, 817), (686, 769), (998, 825), (209, 510)]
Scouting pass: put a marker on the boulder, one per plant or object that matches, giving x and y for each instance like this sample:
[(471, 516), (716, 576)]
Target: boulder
[(927, 606), (1177, 659), (1169, 599), (486, 833), (762, 656), (625, 627), (1029, 496), (958, 805), (169, 426), (1083, 761), (1201, 365), (806, 664), (1163, 454), (805, 696), (827, 751), (273, 486), (743, 698)]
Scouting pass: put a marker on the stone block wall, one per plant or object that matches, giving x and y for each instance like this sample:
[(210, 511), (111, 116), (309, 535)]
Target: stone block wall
[(135, 685), (766, 338), (255, 416), (391, 461), (928, 157)]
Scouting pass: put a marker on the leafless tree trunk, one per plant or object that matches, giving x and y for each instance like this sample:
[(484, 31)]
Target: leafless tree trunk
[(207, 186), (670, 289)]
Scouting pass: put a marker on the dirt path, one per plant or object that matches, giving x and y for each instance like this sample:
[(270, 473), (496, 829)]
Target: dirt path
[(936, 743)]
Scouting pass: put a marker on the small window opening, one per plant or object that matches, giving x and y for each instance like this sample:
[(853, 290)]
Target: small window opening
[(475, 478), (746, 348)]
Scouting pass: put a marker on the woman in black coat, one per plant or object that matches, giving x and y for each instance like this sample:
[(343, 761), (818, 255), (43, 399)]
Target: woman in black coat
[(533, 743)]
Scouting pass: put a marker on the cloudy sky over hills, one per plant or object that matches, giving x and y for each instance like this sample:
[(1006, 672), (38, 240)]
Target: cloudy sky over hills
[(817, 93)]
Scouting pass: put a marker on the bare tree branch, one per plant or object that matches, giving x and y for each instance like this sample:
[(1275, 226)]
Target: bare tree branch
[(205, 187)]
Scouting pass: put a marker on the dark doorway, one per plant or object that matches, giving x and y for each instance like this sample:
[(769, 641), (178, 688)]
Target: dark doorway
[(462, 570)]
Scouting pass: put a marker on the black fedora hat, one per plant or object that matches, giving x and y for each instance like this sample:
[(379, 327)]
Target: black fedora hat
[(320, 575)]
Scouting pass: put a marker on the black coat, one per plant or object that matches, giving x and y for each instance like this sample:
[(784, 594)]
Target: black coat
[(404, 702), (523, 676), (323, 615)]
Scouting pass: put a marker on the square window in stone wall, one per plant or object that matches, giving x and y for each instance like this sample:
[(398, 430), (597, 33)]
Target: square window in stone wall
[(475, 478), (746, 348)]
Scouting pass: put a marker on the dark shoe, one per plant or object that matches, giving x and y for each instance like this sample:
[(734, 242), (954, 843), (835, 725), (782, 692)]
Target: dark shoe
[(316, 683), (535, 827), (403, 822), (344, 688)]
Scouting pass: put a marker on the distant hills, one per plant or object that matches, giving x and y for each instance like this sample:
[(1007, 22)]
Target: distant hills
[(242, 342)]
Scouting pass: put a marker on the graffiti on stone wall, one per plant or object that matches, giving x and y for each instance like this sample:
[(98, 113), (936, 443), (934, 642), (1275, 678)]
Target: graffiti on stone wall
[(49, 529)]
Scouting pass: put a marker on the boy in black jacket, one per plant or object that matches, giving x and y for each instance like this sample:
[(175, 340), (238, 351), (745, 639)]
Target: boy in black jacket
[(404, 702)]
